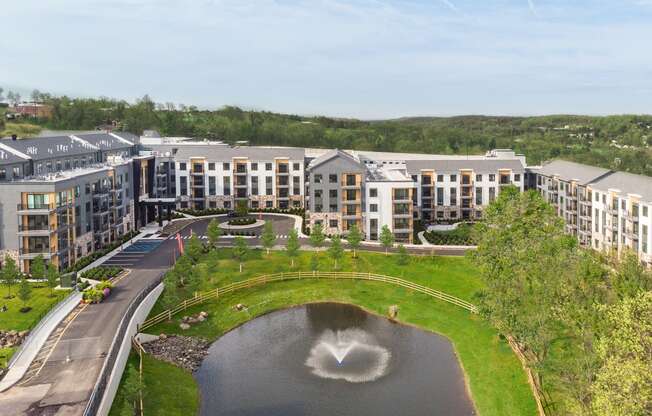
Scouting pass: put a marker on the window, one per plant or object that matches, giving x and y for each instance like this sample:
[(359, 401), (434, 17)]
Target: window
[(644, 211), (269, 204), (492, 194), (440, 196), (16, 172), (268, 185), (373, 208), (3, 174), (333, 223), (453, 196), (492, 177), (478, 196), (440, 178), (296, 166), (226, 166), (211, 166), (478, 178), (211, 185), (453, 178), (254, 166), (254, 185), (517, 177), (88, 188), (296, 185), (226, 183), (268, 166), (318, 193), (227, 204), (332, 178), (597, 197), (317, 178), (184, 185), (182, 166), (332, 193), (373, 192)]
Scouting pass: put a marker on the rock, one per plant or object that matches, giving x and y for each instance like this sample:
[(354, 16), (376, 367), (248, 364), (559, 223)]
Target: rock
[(23, 334), (240, 306), (162, 336), (201, 318), (204, 314), (182, 351), (184, 326)]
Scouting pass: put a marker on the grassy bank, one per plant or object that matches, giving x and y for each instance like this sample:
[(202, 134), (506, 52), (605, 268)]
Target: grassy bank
[(497, 382)]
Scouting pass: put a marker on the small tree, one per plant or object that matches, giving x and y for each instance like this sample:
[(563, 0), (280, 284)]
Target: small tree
[(182, 270), (37, 268), (10, 273), (170, 297), (24, 293), (213, 231), (268, 237), (133, 388), (314, 262), (317, 236), (240, 250), (386, 238), (403, 257), (241, 208), (335, 251), (292, 247), (194, 248), (52, 276), (354, 238)]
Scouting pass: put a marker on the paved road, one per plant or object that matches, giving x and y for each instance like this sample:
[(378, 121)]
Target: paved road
[(62, 377)]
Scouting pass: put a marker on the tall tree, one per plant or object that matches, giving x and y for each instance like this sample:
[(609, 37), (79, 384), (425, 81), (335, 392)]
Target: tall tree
[(24, 291), (268, 237), (386, 238), (317, 236), (623, 385), (37, 268), (354, 237), (213, 231), (10, 273), (240, 250), (52, 276), (292, 247), (194, 248), (335, 250)]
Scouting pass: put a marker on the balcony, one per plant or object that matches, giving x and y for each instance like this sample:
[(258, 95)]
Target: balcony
[(36, 208), (36, 230), (632, 234), (612, 210), (632, 216), (352, 201), (240, 170)]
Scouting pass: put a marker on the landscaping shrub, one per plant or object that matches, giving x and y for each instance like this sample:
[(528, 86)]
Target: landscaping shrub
[(102, 273), (460, 236), (85, 261), (242, 221)]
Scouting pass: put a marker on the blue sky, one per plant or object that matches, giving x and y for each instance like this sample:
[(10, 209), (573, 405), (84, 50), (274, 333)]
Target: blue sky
[(363, 58)]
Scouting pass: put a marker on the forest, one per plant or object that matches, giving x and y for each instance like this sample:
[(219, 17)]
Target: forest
[(619, 142)]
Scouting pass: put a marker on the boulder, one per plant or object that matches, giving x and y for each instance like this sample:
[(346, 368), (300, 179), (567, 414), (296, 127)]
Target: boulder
[(184, 326), (162, 336)]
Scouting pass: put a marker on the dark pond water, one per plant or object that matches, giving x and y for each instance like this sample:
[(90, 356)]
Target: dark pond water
[(331, 359)]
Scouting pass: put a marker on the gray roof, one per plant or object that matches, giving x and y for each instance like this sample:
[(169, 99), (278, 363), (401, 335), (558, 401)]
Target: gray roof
[(569, 171), (50, 147), (489, 165), (9, 156), (626, 183), (185, 151), (104, 141), (331, 154)]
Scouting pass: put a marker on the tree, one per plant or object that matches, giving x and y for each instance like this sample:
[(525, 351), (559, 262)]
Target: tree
[(335, 251), (403, 257), (631, 276), (292, 247), (170, 297), (354, 238), (213, 231), (10, 273), (240, 250), (1, 92), (241, 208), (623, 385), (268, 237), (24, 291), (52, 276), (317, 236), (182, 271), (386, 238), (194, 248), (314, 262), (36, 95), (37, 268)]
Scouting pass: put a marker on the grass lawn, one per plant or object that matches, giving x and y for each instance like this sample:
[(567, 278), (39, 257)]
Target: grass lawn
[(160, 376), (13, 319), (497, 382)]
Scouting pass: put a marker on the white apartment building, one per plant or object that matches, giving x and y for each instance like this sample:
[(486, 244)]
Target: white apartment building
[(606, 210)]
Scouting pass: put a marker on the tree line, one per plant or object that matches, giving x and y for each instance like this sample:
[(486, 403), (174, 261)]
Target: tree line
[(617, 142)]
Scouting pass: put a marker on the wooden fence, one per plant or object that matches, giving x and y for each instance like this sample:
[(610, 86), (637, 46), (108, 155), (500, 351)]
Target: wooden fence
[(201, 297)]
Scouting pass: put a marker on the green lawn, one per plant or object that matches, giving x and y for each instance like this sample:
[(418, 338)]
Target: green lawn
[(13, 319), (159, 376), (41, 302), (497, 382)]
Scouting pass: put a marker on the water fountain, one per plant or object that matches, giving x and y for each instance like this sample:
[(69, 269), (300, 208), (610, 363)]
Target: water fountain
[(351, 354)]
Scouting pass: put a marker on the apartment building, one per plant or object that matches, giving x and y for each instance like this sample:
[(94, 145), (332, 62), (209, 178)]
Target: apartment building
[(64, 197), (397, 188), (215, 175), (607, 210)]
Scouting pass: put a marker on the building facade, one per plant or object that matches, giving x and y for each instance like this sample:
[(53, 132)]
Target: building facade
[(607, 210)]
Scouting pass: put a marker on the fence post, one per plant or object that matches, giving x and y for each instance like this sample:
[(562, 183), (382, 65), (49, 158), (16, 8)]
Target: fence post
[(217, 292), (169, 315), (184, 304)]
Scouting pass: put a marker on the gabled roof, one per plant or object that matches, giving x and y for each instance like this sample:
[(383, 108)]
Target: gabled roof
[(626, 183), (106, 141), (9, 155), (332, 154), (571, 171), (50, 147)]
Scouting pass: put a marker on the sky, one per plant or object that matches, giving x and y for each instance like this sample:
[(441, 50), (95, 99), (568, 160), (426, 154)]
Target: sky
[(366, 59)]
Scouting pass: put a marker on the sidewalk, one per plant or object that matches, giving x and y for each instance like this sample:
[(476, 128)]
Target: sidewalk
[(29, 349)]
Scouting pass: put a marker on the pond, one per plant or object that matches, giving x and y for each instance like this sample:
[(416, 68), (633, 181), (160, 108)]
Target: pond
[(331, 359)]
